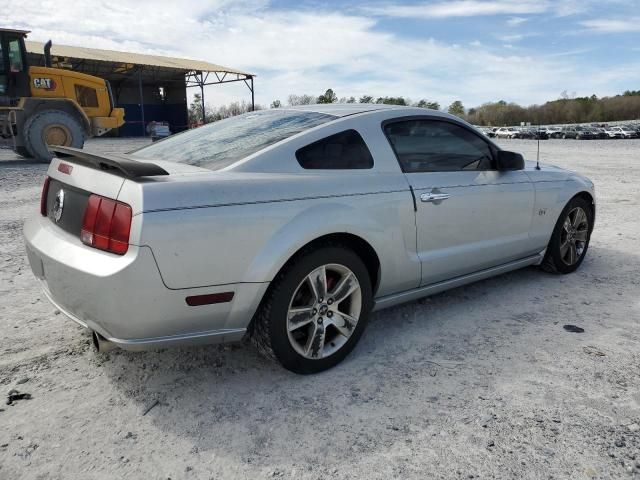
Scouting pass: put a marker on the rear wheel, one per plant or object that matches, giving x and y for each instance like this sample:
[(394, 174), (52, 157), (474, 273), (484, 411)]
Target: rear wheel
[(315, 310), (51, 127), (570, 239)]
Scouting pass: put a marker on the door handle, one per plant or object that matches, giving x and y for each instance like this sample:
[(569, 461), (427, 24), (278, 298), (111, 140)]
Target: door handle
[(433, 197)]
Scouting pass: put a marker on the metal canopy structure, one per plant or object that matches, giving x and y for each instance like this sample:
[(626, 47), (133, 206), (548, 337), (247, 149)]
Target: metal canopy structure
[(118, 67)]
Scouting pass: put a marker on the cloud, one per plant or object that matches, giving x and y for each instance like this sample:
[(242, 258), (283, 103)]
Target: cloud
[(458, 8), (516, 37), (611, 25), (309, 50), (515, 21)]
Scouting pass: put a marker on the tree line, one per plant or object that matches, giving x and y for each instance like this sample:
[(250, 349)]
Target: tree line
[(566, 109)]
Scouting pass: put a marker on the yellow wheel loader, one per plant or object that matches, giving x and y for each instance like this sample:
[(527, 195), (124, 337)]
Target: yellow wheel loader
[(42, 106)]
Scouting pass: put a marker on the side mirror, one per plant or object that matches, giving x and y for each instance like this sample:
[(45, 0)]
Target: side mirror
[(509, 161)]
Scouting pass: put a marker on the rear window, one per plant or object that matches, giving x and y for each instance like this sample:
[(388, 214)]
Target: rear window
[(342, 151), (220, 144)]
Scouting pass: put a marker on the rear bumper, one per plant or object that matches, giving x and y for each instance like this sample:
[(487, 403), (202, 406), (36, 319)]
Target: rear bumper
[(124, 298)]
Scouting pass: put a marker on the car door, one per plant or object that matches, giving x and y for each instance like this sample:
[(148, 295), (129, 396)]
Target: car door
[(469, 216)]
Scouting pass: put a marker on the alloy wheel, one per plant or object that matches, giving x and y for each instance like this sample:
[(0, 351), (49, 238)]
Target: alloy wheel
[(574, 236), (324, 311)]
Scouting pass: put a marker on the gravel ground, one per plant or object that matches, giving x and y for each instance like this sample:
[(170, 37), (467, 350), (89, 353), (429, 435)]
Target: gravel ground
[(478, 382)]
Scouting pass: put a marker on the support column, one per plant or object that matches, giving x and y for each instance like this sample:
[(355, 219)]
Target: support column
[(204, 115), (253, 97), (144, 129)]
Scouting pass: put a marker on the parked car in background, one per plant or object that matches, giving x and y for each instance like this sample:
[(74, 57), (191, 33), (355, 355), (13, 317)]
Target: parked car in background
[(554, 132), (538, 133), (292, 225), (621, 132), (578, 133), (599, 132), (507, 132), (635, 127), (158, 130), (486, 131)]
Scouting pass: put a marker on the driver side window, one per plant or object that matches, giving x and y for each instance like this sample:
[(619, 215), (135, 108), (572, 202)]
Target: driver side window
[(15, 56), (437, 146)]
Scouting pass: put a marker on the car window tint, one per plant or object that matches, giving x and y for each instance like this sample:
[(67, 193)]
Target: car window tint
[(342, 151), (436, 146), (222, 143)]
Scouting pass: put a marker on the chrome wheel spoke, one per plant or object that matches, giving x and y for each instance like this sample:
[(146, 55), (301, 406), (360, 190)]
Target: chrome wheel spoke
[(573, 254), (299, 317), (318, 282), (579, 218), (348, 284), (315, 343), (345, 324), (581, 235), (564, 248)]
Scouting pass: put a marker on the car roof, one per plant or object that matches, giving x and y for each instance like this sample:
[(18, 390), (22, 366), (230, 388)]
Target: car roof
[(344, 109)]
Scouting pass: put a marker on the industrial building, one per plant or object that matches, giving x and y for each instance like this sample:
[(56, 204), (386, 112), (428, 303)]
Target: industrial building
[(148, 87)]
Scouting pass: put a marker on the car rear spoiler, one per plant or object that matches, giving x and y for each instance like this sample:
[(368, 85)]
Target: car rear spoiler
[(116, 164)]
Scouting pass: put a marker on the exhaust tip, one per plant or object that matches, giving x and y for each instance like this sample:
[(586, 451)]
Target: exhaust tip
[(101, 344)]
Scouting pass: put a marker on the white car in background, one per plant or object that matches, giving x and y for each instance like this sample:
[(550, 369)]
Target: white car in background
[(507, 132), (621, 132)]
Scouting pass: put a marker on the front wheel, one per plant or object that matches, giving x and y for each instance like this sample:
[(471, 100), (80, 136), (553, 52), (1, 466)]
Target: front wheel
[(315, 311), (570, 239)]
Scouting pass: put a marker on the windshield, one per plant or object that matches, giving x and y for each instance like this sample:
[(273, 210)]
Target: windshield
[(220, 144)]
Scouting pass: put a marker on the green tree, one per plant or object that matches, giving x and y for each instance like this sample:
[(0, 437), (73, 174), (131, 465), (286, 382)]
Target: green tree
[(426, 104), (195, 109), (392, 100), (366, 99), (456, 108), (328, 97)]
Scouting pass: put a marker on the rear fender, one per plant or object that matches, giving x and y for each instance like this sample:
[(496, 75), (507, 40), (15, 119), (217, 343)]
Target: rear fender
[(396, 252)]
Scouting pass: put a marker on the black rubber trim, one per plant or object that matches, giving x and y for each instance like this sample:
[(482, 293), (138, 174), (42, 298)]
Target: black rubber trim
[(413, 196), (117, 165)]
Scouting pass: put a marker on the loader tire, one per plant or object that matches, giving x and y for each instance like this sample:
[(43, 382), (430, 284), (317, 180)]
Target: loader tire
[(51, 127), (23, 152)]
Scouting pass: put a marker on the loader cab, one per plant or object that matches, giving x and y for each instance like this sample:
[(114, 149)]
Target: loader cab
[(14, 71)]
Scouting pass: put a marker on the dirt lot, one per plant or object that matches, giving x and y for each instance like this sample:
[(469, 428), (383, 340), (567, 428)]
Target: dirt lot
[(479, 382)]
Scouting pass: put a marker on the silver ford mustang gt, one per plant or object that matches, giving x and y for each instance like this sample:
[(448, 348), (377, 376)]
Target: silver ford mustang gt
[(289, 226)]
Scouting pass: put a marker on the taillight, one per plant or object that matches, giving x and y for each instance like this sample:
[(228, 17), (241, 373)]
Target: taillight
[(106, 225), (43, 197)]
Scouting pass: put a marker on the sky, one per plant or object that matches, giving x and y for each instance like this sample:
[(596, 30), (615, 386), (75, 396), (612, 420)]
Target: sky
[(475, 51)]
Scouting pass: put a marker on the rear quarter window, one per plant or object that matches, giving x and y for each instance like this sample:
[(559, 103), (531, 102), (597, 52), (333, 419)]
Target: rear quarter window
[(343, 151)]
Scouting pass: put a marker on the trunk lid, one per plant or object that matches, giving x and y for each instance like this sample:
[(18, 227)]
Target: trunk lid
[(78, 174)]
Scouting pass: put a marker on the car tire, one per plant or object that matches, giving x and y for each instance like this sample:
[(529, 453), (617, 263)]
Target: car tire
[(56, 124), (306, 333), (570, 238)]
